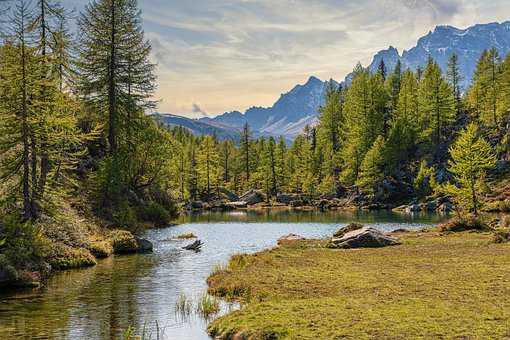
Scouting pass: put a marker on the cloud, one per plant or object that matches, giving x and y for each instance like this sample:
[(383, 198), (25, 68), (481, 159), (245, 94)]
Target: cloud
[(232, 54), (198, 111)]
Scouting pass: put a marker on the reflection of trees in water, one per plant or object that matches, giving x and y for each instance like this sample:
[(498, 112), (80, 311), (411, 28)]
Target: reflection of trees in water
[(313, 216), (97, 302)]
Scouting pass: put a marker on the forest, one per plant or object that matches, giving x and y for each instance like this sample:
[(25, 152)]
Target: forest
[(85, 167)]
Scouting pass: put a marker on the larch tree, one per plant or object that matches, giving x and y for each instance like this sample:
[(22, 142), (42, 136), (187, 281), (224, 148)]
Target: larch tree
[(436, 105), (471, 158), (454, 79)]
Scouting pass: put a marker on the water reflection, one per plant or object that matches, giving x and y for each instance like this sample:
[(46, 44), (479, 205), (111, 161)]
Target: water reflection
[(140, 290)]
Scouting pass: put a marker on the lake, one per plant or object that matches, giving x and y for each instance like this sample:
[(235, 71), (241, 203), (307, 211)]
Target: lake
[(142, 290)]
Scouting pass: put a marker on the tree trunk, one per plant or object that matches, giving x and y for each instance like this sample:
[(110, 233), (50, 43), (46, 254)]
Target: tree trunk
[(112, 140)]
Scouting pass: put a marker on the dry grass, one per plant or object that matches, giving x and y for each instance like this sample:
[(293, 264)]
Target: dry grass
[(432, 286)]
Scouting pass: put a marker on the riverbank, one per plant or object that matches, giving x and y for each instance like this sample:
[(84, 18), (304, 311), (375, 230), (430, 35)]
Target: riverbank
[(73, 239), (434, 285)]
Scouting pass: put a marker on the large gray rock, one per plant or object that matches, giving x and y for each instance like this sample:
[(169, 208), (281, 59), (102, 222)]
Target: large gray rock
[(365, 237), (252, 197), (144, 246)]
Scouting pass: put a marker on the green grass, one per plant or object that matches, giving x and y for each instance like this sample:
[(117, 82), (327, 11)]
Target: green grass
[(433, 286), (208, 306), (183, 305)]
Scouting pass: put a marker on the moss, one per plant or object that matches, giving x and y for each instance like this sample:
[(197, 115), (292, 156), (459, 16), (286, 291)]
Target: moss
[(351, 227), (62, 257), (123, 242), (100, 248), (433, 286)]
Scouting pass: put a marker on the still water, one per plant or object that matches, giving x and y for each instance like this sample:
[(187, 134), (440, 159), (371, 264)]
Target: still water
[(140, 290)]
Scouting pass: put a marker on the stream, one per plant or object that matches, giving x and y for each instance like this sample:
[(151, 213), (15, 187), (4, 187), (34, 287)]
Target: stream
[(140, 291)]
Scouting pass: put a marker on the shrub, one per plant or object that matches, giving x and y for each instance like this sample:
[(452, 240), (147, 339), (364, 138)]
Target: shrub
[(463, 224), (123, 242), (62, 257), (155, 213), (501, 235), (100, 249), (7, 271)]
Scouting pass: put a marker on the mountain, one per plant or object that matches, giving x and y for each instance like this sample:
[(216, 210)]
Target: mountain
[(467, 43), (299, 107), (198, 127), (287, 117)]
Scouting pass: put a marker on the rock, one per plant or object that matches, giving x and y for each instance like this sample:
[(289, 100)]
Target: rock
[(144, 246), (237, 205), (365, 237), (195, 205), (229, 195), (252, 197), (400, 230), (413, 208), (195, 246), (290, 238), (348, 228), (285, 198)]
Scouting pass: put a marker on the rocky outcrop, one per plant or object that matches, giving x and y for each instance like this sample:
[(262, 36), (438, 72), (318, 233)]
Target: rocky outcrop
[(252, 197), (364, 237)]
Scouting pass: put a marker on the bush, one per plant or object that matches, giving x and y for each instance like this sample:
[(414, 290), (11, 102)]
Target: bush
[(464, 224), (63, 257), (155, 213), (100, 249), (501, 235), (7, 271), (123, 242)]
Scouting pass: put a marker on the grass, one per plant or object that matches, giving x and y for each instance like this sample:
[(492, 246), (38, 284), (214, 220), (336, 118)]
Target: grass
[(186, 236), (183, 306), (432, 286), (208, 306)]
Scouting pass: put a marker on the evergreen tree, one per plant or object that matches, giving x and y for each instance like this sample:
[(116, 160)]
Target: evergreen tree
[(207, 163), (436, 105), (372, 167), (115, 74), (381, 70), (454, 78), (472, 157), (246, 152)]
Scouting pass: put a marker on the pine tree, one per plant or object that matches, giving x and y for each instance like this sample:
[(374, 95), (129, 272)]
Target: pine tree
[(372, 167), (381, 70), (208, 163), (472, 157)]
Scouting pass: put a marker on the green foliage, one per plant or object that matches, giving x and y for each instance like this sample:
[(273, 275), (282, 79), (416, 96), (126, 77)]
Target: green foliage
[(123, 242), (155, 213), (472, 157), (61, 256), (372, 167), (425, 182)]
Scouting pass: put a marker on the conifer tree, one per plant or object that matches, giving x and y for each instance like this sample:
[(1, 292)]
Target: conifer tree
[(454, 79), (436, 105), (472, 157), (372, 167), (115, 74), (208, 162), (246, 152)]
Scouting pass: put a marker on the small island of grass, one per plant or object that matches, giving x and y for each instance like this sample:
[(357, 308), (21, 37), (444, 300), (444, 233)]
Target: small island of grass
[(434, 285)]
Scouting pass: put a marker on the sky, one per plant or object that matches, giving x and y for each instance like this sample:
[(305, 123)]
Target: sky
[(215, 56)]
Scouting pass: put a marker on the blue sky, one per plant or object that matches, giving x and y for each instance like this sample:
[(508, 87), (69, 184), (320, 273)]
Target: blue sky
[(221, 55)]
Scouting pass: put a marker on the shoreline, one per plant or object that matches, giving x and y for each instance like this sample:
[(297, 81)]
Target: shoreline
[(304, 283)]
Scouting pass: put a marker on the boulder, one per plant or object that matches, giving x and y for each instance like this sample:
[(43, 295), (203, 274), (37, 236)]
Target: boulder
[(237, 205), (144, 246), (195, 205), (290, 238), (285, 198), (365, 237), (252, 197), (229, 195)]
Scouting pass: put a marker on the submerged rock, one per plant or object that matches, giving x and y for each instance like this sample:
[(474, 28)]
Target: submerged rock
[(364, 237)]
